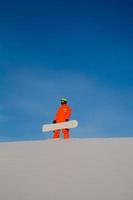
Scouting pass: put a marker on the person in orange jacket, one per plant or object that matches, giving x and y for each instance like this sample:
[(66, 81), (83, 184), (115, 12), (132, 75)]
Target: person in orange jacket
[(63, 114)]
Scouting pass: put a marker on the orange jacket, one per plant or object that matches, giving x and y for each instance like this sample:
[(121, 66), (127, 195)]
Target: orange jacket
[(63, 113)]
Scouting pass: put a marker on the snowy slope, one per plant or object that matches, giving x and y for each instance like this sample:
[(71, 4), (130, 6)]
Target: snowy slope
[(75, 169)]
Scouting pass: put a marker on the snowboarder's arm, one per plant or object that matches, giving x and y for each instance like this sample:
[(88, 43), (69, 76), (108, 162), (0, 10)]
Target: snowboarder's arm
[(57, 113), (68, 114)]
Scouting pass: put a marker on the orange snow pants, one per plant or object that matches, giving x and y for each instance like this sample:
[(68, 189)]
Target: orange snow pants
[(65, 133)]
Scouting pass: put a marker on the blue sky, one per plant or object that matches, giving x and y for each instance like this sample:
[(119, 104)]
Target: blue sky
[(53, 49)]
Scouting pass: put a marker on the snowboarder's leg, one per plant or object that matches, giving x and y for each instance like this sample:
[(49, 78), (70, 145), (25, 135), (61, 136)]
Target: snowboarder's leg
[(66, 133), (56, 134)]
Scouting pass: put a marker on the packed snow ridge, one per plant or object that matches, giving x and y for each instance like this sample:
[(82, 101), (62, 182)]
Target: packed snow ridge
[(74, 169)]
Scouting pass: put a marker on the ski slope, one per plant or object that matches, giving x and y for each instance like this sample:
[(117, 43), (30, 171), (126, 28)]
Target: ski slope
[(75, 169)]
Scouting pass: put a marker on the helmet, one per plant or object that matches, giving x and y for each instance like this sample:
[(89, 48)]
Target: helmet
[(63, 100)]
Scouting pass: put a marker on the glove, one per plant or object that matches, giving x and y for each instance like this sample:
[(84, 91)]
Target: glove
[(54, 122), (66, 120)]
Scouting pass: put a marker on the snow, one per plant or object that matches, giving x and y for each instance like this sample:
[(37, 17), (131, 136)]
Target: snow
[(74, 169)]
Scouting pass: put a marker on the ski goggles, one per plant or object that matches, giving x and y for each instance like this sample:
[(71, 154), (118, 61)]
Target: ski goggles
[(63, 100)]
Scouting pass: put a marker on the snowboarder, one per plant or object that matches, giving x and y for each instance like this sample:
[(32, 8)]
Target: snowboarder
[(63, 114)]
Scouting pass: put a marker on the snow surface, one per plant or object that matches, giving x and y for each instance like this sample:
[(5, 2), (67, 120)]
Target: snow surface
[(75, 169)]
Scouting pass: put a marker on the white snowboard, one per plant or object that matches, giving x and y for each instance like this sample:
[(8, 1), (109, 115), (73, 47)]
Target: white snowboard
[(59, 126)]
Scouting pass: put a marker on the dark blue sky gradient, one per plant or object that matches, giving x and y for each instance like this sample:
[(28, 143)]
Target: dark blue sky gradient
[(92, 41)]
